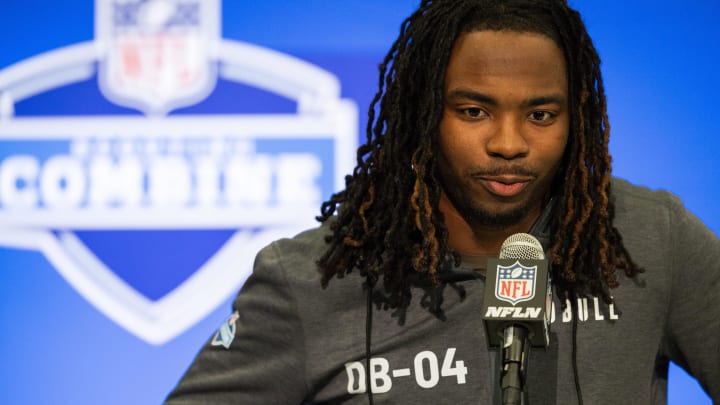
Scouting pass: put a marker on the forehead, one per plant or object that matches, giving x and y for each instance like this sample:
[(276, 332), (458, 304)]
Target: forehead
[(496, 57)]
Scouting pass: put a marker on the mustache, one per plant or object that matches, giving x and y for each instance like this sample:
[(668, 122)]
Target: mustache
[(502, 170)]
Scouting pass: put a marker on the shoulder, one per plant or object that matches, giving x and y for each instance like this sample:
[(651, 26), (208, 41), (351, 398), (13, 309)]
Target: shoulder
[(639, 206), (309, 242), (630, 197), (295, 256), (655, 215), (643, 216), (289, 269), (635, 204)]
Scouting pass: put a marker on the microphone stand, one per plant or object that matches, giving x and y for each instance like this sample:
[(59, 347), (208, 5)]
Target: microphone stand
[(515, 353)]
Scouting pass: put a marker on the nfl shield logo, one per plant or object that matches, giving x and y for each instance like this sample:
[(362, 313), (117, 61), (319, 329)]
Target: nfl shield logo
[(515, 283), (159, 54), (196, 194)]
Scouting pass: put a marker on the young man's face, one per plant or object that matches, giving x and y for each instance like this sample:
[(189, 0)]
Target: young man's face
[(505, 126)]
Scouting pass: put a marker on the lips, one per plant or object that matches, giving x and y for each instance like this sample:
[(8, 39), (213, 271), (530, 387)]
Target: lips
[(505, 186)]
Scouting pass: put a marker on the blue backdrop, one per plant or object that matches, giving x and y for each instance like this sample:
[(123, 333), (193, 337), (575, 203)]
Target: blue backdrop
[(65, 341)]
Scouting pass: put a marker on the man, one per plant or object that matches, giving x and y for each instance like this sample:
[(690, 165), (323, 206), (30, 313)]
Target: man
[(490, 121)]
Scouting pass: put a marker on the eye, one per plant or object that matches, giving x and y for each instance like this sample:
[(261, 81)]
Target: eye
[(472, 112), (542, 117)]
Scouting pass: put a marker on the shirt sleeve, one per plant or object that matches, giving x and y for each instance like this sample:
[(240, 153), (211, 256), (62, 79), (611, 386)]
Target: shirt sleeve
[(263, 363), (693, 325)]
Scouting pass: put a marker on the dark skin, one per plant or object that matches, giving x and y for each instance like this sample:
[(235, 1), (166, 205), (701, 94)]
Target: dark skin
[(502, 136)]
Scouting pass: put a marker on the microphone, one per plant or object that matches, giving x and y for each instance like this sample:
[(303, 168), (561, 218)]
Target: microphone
[(516, 309)]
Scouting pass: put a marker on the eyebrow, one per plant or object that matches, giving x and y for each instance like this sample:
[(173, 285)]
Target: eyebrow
[(486, 99)]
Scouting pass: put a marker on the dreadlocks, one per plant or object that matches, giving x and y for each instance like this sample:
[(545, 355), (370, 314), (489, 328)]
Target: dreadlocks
[(388, 224)]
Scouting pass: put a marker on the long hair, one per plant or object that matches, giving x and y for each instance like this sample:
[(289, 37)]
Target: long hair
[(386, 223)]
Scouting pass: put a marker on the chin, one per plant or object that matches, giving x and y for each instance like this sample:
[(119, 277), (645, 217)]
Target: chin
[(499, 218)]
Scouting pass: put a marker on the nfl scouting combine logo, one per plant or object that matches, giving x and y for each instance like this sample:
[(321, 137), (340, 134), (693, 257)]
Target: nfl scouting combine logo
[(515, 283), (155, 215)]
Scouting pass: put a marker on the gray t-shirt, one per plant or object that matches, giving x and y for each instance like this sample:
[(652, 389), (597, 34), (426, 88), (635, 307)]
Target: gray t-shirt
[(291, 342)]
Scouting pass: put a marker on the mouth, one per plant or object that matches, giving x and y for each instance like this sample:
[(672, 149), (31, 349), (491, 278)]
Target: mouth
[(505, 185)]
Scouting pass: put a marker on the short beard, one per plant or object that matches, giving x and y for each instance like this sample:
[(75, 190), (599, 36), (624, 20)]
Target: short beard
[(475, 214), (478, 216)]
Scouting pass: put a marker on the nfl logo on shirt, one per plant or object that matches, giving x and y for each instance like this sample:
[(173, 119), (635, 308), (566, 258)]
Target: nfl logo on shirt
[(515, 283), (155, 215)]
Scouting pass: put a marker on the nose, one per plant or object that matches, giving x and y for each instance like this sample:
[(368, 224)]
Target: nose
[(507, 140)]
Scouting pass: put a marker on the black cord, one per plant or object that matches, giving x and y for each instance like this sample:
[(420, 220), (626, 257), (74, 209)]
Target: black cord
[(574, 307), (368, 340)]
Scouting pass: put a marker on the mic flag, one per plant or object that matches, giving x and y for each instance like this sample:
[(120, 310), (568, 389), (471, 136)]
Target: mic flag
[(518, 291)]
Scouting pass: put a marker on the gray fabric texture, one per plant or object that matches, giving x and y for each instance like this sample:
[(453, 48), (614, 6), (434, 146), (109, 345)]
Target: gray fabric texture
[(297, 343)]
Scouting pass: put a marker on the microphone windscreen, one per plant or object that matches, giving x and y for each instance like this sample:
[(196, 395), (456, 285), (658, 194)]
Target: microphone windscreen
[(522, 246)]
